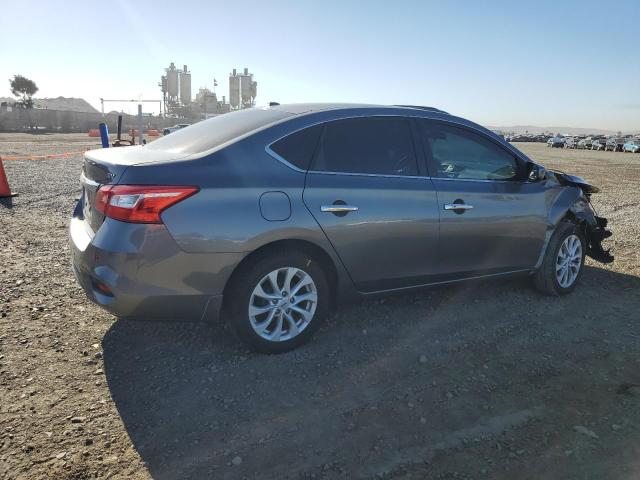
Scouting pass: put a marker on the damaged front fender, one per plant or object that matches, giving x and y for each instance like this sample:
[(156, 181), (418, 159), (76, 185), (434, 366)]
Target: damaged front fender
[(594, 229), (574, 204)]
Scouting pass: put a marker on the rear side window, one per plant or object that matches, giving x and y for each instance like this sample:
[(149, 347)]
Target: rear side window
[(461, 154), (370, 145), (298, 148)]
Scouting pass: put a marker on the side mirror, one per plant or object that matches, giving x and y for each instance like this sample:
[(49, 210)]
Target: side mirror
[(536, 173)]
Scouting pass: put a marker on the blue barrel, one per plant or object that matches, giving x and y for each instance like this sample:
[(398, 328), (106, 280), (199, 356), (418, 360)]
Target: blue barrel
[(104, 135)]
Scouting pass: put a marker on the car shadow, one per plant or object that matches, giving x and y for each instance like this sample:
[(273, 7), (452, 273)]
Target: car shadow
[(197, 404)]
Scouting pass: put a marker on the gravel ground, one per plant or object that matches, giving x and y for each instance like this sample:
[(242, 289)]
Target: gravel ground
[(485, 380)]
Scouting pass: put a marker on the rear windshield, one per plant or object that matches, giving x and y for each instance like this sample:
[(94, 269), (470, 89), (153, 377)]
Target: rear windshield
[(213, 132)]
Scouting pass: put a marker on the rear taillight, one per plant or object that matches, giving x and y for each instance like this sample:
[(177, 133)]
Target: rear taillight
[(139, 203)]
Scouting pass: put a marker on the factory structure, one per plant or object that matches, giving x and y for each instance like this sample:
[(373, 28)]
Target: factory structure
[(175, 85)]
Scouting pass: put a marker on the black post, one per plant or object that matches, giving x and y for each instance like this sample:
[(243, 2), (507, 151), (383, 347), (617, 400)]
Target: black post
[(119, 126)]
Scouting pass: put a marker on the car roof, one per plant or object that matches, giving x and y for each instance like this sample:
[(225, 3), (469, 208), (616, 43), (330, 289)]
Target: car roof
[(302, 108)]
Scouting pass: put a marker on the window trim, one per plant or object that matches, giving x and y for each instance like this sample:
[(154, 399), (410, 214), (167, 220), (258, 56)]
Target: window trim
[(282, 159), (421, 156), (428, 156)]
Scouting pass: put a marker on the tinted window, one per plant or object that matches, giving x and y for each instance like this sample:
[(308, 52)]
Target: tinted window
[(215, 131), (459, 153), (378, 145), (298, 147)]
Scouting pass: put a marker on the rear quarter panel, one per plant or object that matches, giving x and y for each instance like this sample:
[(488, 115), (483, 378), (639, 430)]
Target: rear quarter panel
[(225, 215)]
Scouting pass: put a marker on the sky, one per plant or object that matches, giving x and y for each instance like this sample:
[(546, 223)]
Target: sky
[(499, 63)]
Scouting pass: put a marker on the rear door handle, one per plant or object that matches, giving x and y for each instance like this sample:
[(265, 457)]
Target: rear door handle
[(338, 208), (457, 206)]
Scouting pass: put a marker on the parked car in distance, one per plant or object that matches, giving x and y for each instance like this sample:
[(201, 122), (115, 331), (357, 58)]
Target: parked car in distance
[(614, 144), (631, 145), (175, 128), (599, 144), (585, 143), (570, 142), (520, 138), (270, 216), (556, 142)]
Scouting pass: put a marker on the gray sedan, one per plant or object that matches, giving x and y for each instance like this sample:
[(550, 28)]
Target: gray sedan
[(274, 215)]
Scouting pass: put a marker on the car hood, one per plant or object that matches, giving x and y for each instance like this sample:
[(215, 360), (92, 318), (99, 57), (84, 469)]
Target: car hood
[(575, 181)]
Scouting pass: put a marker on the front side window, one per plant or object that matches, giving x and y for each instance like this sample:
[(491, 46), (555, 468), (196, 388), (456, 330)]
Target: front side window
[(461, 154), (369, 145)]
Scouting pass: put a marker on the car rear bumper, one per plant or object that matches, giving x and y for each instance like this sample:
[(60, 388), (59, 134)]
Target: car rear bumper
[(138, 271)]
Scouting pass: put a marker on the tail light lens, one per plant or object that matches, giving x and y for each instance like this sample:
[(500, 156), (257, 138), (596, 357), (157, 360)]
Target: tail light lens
[(139, 203)]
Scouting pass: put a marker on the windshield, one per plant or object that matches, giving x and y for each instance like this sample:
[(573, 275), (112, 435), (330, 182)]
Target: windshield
[(213, 132)]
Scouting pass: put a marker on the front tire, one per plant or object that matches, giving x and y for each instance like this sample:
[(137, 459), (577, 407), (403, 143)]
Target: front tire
[(563, 261), (277, 303)]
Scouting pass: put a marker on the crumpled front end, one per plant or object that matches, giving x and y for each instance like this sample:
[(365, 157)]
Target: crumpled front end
[(595, 233), (595, 227)]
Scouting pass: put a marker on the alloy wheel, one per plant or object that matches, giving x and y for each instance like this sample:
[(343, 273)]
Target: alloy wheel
[(569, 261), (283, 304)]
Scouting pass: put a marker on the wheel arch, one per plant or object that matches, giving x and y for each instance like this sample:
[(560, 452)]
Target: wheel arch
[(305, 246)]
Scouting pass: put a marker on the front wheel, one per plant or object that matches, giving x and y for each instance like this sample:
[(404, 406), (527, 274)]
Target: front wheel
[(278, 302), (563, 261)]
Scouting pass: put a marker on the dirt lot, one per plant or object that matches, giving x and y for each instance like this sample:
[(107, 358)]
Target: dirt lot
[(487, 380)]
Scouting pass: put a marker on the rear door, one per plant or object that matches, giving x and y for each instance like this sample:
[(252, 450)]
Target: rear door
[(492, 220), (375, 205)]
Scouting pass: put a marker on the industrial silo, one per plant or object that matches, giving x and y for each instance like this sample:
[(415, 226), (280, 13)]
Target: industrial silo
[(172, 81), (185, 86), (234, 90), (245, 88)]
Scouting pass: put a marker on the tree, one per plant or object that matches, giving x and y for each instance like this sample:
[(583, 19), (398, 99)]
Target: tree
[(24, 88)]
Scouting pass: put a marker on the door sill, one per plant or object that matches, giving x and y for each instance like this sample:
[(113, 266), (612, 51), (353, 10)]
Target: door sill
[(446, 282)]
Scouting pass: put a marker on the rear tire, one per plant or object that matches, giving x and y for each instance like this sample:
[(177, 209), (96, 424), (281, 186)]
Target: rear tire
[(277, 320), (563, 261)]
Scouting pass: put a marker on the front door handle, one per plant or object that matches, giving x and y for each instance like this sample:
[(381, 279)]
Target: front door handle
[(457, 206), (338, 208)]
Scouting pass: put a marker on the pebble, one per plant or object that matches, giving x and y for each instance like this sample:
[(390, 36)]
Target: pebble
[(585, 431)]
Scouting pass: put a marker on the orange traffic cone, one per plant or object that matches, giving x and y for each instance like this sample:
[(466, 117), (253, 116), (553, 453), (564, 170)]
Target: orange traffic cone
[(5, 191)]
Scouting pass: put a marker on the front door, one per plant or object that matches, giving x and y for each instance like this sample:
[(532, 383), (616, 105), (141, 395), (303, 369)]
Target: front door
[(492, 220)]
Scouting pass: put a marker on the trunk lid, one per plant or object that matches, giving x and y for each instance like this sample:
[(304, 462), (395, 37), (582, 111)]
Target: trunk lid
[(106, 166)]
